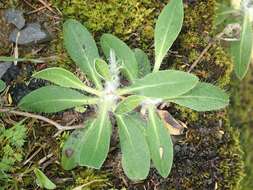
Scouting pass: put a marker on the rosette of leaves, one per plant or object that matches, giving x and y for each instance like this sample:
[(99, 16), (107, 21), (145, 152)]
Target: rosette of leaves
[(142, 140)]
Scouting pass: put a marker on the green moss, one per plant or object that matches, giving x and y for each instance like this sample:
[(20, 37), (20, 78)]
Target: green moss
[(198, 29), (241, 116), (126, 19)]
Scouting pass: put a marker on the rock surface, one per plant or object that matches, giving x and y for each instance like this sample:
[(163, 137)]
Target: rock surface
[(4, 66), (15, 17), (32, 34)]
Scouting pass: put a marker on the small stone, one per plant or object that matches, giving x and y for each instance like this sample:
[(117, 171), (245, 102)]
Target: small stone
[(32, 34), (4, 66), (15, 17)]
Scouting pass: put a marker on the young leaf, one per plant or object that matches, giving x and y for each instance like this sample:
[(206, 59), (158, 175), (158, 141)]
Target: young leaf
[(160, 143), (82, 48), (135, 151), (102, 68), (94, 145), (144, 66), (70, 150), (241, 51), (2, 85), (124, 54), (43, 181), (63, 78), (163, 84), (167, 28), (203, 97), (129, 104), (52, 99)]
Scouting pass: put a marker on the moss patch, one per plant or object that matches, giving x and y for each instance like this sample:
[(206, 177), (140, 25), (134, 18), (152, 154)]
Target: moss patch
[(241, 112)]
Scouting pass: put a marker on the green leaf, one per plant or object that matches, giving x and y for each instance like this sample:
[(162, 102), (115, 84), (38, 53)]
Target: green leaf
[(82, 48), (144, 66), (63, 78), (43, 181), (102, 69), (167, 28), (203, 97), (123, 53), (129, 104), (223, 13), (52, 99), (160, 143), (95, 144), (163, 84), (241, 51), (135, 151), (70, 150), (2, 85)]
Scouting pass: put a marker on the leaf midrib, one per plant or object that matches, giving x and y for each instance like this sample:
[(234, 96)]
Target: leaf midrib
[(202, 97), (59, 100), (85, 57), (166, 36), (153, 85)]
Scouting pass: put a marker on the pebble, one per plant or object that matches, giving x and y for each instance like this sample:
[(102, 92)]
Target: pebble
[(4, 66), (15, 17), (31, 34)]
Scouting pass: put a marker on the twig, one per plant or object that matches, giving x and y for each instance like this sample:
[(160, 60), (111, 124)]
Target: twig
[(89, 183), (60, 127), (36, 10), (42, 160), (31, 157), (47, 6), (211, 43)]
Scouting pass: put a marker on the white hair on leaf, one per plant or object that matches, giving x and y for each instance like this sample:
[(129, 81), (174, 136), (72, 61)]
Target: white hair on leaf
[(112, 85)]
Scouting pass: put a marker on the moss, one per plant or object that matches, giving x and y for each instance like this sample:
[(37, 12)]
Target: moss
[(241, 116), (126, 19)]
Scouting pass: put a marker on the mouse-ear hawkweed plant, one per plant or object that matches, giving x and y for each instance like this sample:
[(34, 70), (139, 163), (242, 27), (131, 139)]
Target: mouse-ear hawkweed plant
[(142, 139)]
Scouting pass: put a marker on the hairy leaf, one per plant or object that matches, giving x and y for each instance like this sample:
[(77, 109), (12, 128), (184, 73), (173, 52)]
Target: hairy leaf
[(43, 181), (160, 143), (129, 104), (167, 28), (241, 51), (81, 47), (95, 144), (135, 151), (124, 54), (70, 150), (163, 84), (2, 85), (144, 66), (63, 78), (103, 69), (204, 97), (52, 99)]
